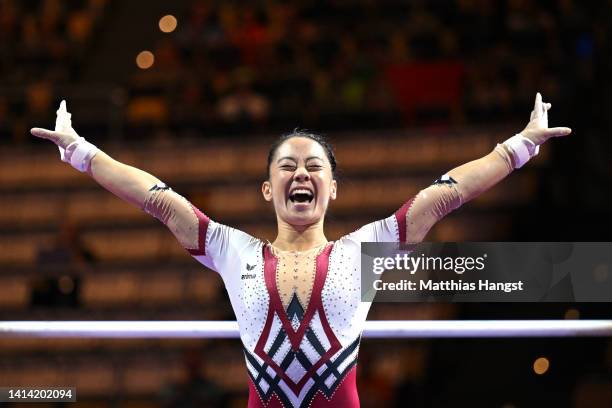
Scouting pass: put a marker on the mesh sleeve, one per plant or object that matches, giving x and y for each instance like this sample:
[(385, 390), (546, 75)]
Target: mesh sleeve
[(213, 244)]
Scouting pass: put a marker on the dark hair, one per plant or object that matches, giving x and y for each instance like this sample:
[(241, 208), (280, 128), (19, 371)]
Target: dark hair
[(329, 150)]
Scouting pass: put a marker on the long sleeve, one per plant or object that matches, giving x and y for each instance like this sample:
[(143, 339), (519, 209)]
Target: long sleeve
[(185, 221), (214, 245), (460, 185)]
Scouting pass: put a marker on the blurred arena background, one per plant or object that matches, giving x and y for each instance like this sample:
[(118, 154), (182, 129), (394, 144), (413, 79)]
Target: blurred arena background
[(193, 92)]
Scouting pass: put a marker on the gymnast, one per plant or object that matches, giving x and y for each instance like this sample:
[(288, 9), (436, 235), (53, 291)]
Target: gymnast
[(297, 300)]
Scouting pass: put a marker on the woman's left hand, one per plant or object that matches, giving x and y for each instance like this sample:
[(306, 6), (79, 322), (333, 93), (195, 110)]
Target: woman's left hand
[(537, 129)]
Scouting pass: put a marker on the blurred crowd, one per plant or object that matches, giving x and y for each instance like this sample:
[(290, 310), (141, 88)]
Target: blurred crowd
[(43, 44), (245, 67), (360, 64)]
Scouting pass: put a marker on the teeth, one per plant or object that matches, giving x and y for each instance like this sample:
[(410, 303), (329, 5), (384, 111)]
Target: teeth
[(302, 193)]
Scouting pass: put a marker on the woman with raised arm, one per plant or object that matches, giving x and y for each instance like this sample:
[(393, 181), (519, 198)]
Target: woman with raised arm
[(297, 300)]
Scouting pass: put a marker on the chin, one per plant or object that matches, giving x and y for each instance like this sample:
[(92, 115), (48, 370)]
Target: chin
[(302, 220)]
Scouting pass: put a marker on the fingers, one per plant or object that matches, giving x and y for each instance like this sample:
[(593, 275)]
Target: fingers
[(63, 134), (62, 109), (44, 133), (540, 114), (63, 123), (62, 112), (540, 111), (537, 106), (532, 116), (558, 131)]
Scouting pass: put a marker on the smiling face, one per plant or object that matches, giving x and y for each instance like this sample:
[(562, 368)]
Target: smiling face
[(301, 182)]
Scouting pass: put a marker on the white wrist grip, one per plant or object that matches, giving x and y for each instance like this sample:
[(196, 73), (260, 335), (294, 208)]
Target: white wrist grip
[(522, 149), (80, 153)]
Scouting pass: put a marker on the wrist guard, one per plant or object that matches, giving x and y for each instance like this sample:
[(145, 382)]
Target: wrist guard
[(522, 149)]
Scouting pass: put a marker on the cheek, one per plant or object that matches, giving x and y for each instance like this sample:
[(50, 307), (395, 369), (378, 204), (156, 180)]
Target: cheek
[(277, 186), (324, 187)]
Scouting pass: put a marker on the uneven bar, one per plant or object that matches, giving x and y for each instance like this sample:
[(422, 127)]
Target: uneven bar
[(373, 329)]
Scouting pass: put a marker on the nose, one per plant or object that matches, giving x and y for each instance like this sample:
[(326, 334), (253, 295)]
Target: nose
[(301, 174)]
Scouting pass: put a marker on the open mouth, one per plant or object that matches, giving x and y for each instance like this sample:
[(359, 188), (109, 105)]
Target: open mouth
[(300, 195)]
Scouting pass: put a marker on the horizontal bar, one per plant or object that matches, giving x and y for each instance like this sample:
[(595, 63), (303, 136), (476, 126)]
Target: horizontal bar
[(373, 329)]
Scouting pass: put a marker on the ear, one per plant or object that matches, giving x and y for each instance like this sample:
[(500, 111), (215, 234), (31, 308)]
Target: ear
[(266, 190), (333, 190)]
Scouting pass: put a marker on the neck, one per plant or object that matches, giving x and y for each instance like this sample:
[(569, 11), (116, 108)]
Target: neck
[(299, 237)]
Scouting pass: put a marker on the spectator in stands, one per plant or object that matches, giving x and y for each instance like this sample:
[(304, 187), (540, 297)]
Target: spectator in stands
[(193, 389), (242, 104), (60, 266)]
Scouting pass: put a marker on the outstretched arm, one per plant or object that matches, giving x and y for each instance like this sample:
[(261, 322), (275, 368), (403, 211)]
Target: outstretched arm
[(132, 185), (469, 180)]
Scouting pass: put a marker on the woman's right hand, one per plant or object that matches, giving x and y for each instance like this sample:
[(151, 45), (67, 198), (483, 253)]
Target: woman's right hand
[(63, 135)]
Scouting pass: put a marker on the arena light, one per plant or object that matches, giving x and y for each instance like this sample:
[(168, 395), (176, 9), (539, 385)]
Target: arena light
[(541, 365), (145, 59), (168, 23), (373, 329)]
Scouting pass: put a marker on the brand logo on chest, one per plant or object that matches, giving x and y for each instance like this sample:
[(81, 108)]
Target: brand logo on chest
[(249, 268)]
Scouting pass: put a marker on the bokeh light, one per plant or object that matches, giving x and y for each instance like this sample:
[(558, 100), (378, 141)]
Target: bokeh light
[(167, 23), (145, 59), (541, 365)]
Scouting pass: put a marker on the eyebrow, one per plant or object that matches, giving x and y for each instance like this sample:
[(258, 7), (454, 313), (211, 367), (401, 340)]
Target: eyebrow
[(295, 160)]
